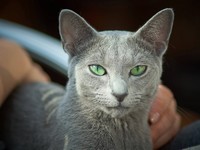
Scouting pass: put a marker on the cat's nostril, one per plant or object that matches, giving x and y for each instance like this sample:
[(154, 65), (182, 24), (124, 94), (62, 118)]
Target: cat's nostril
[(120, 97)]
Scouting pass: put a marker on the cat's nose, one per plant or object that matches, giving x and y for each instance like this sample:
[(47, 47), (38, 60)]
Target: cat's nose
[(119, 88), (120, 97)]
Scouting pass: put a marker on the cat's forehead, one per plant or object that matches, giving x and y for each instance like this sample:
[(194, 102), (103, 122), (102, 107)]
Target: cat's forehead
[(116, 47)]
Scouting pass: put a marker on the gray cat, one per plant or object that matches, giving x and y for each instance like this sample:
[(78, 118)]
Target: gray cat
[(113, 77)]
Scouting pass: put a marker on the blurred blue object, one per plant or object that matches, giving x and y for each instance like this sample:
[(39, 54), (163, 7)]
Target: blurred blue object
[(41, 47)]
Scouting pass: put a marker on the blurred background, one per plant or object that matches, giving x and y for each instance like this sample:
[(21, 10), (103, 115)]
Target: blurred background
[(182, 61)]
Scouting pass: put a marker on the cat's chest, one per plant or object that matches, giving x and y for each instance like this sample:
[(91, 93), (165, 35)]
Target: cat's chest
[(121, 135), (84, 131), (128, 135)]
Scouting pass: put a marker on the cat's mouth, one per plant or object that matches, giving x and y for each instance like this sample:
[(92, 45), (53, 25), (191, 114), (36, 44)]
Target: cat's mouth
[(119, 107), (117, 111)]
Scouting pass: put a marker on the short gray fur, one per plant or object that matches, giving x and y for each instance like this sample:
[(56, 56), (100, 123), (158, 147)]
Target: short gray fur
[(87, 115)]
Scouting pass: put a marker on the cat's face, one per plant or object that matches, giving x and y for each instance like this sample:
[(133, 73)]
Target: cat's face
[(117, 72)]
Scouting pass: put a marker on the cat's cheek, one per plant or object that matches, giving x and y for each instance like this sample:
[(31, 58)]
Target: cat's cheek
[(78, 88)]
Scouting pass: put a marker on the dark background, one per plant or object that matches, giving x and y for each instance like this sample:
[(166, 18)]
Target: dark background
[(182, 61)]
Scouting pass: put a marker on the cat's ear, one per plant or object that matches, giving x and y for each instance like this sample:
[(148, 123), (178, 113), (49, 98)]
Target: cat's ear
[(157, 30), (74, 31)]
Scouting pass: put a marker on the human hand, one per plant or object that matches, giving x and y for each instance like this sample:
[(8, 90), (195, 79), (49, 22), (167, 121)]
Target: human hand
[(164, 119), (36, 74), (17, 67)]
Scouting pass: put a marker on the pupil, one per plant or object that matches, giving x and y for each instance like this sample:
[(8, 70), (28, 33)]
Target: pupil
[(138, 68), (97, 69)]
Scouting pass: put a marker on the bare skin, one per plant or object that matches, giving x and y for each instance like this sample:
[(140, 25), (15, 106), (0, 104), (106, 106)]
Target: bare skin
[(164, 118), (16, 67)]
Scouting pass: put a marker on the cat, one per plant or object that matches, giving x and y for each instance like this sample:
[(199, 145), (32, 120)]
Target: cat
[(113, 78)]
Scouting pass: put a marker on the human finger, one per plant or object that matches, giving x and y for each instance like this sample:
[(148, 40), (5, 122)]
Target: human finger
[(167, 136), (162, 101), (160, 127)]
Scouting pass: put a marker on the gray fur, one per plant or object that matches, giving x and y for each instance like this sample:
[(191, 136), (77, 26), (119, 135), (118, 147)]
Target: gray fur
[(88, 114)]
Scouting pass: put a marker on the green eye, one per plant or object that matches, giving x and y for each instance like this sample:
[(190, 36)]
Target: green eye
[(138, 70), (97, 70)]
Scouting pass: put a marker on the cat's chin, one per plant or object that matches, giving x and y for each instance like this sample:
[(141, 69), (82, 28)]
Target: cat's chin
[(117, 112)]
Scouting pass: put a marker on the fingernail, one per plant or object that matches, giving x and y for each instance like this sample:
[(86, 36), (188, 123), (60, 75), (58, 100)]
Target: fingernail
[(155, 117)]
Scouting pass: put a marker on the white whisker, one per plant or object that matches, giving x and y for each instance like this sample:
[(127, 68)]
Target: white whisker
[(52, 102), (50, 115), (66, 142), (48, 93)]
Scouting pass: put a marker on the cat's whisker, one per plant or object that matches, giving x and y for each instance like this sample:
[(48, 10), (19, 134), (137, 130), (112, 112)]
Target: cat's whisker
[(50, 115), (47, 94), (53, 102), (66, 141)]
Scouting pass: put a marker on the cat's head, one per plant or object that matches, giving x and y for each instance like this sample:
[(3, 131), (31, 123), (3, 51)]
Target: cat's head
[(116, 71)]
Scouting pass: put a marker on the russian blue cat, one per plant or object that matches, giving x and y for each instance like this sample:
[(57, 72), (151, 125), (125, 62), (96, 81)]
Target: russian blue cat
[(113, 78)]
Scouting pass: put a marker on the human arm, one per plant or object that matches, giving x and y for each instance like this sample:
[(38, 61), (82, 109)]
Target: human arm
[(16, 67)]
